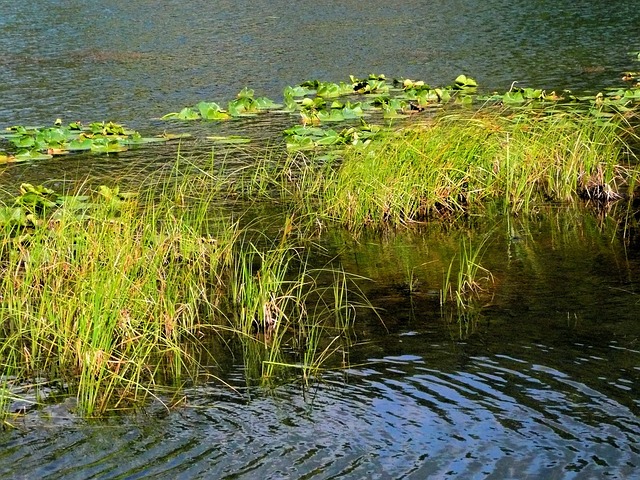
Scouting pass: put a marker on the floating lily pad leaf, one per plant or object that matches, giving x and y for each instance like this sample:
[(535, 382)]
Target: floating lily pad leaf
[(36, 199), (373, 84), (330, 156), (264, 103), (80, 144), (186, 113), (412, 84), (109, 128), (331, 90), (26, 155), (245, 93), (290, 105), (513, 97), (464, 99), (230, 140), (305, 131), (462, 81), (297, 143), (332, 115), (75, 202), (331, 137), (137, 139), (105, 146), (114, 196), (211, 111), (444, 95), (298, 91), (24, 142), (242, 106), (313, 103)]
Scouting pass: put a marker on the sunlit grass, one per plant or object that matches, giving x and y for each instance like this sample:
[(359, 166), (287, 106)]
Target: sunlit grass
[(108, 302)]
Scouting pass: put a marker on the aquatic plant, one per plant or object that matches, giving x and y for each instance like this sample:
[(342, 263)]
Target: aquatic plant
[(41, 143), (472, 279), (107, 296), (458, 163), (101, 304)]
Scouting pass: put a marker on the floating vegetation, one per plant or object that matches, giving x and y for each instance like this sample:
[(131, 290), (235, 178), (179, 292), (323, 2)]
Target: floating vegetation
[(41, 143)]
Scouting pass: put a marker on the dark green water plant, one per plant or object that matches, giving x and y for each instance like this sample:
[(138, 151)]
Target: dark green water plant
[(41, 143)]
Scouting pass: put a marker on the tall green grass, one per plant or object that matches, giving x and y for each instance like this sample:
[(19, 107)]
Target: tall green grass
[(102, 302), (112, 298), (460, 163), (455, 165)]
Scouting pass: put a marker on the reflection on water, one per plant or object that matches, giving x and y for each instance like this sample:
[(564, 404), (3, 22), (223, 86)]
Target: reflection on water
[(544, 384)]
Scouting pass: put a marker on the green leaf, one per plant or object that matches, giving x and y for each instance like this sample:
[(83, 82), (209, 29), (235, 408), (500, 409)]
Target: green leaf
[(12, 216), (462, 81)]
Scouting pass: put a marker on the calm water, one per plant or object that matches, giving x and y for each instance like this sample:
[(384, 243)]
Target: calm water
[(543, 385)]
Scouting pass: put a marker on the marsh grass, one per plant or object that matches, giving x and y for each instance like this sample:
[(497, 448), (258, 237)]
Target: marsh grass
[(111, 303), (466, 281), (292, 319), (102, 302), (458, 164)]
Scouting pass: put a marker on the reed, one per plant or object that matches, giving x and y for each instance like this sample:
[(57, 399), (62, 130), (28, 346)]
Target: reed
[(458, 164), (108, 296), (291, 321), (101, 302)]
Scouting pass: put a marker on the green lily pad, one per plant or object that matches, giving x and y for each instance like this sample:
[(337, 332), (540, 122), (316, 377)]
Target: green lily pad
[(186, 113), (108, 147), (26, 155), (80, 144)]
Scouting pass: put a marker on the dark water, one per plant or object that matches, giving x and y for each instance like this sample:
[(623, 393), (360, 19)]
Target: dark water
[(133, 61), (543, 383)]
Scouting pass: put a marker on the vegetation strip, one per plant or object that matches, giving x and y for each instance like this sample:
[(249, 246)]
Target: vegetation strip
[(107, 295)]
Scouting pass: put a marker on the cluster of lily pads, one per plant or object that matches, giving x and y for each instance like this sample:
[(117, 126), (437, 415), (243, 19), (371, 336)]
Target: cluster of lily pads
[(315, 103), (38, 143)]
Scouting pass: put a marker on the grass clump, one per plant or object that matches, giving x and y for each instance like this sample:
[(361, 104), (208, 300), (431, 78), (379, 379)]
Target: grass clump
[(100, 302), (458, 164), (109, 296)]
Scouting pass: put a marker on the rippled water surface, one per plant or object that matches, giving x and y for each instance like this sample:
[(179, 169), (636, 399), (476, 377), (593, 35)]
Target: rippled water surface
[(135, 60), (543, 383)]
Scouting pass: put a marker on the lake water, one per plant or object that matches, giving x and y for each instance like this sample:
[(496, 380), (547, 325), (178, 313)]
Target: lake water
[(544, 383)]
